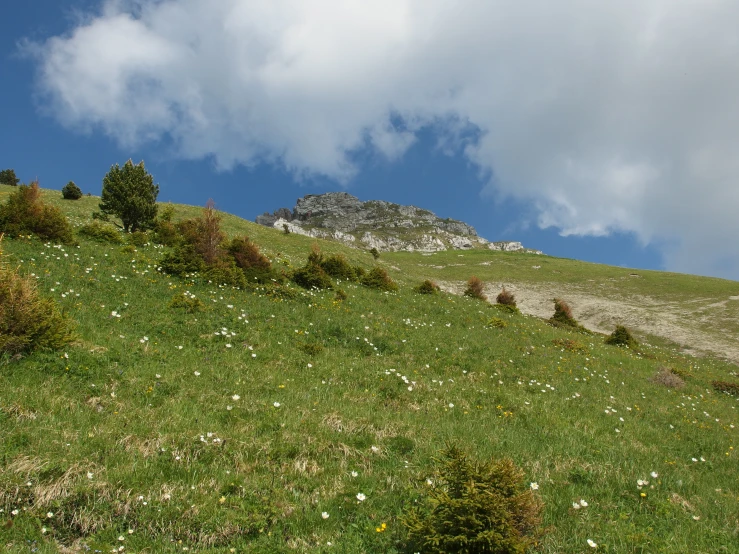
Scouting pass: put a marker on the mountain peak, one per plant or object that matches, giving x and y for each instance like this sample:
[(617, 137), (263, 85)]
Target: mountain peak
[(377, 224)]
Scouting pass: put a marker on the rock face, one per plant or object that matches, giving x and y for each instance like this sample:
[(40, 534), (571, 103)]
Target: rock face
[(377, 224)]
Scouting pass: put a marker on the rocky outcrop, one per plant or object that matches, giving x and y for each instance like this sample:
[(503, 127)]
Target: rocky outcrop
[(377, 224)]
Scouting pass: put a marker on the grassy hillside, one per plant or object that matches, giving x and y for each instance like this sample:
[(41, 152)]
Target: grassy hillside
[(235, 428)]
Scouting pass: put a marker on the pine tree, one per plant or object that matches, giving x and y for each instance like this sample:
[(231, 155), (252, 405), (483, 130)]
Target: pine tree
[(129, 193)]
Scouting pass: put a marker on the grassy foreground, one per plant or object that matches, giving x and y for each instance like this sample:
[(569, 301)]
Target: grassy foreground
[(241, 427)]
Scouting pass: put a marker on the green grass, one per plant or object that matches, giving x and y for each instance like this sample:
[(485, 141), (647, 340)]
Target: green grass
[(176, 461)]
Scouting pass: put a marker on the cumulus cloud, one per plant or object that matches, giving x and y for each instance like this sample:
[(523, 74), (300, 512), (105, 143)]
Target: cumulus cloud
[(606, 116)]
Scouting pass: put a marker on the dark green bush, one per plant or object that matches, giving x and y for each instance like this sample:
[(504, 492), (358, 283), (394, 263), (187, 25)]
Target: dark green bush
[(338, 267), (375, 252), (165, 232), (129, 193), (378, 278), (7, 177), (24, 213), (427, 287), (563, 315), (183, 259), (621, 337), (225, 273), (360, 272), (311, 276), (101, 232), (138, 238), (70, 191), (475, 289), (474, 507), (187, 302), (27, 320), (340, 295)]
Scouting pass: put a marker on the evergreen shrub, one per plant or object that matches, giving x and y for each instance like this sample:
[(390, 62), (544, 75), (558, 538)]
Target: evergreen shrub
[(427, 287), (70, 191), (474, 507), (24, 213), (28, 321), (621, 337), (101, 232), (377, 278)]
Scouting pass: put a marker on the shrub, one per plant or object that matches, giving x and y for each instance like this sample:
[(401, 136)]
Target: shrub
[(188, 302), (7, 177), (101, 232), (182, 260), (280, 292), (225, 273), (338, 267), (621, 337), (210, 236), (427, 287), (25, 213), (570, 345), (727, 387), (378, 278), (475, 289), (360, 272), (506, 298), (311, 276), (563, 315), (246, 254), (497, 323), (165, 232), (130, 194), (507, 308), (375, 253), (340, 295), (474, 507), (70, 191), (138, 238), (666, 377), (27, 320)]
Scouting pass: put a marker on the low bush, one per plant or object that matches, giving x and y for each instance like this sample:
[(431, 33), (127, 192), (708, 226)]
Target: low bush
[(563, 315), (183, 259), (570, 345), (377, 278), (506, 298), (427, 287), (666, 377), (24, 213), (70, 191), (138, 238), (27, 320), (497, 323), (727, 387), (621, 337), (360, 272), (165, 232), (338, 267), (101, 232), (225, 273), (311, 276), (506, 308), (340, 295), (375, 253), (188, 302), (474, 507), (475, 289)]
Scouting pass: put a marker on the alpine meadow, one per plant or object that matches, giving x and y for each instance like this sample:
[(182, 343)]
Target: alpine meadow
[(206, 384)]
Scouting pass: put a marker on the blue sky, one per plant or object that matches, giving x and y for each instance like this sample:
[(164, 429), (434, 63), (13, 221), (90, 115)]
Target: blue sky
[(569, 139)]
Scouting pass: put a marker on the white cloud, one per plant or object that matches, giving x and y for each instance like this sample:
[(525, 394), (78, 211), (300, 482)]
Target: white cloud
[(607, 116)]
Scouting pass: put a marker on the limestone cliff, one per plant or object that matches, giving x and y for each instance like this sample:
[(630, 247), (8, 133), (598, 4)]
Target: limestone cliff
[(377, 224)]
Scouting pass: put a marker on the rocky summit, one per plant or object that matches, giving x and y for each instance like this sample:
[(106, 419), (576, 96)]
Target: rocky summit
[(378, 224)]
